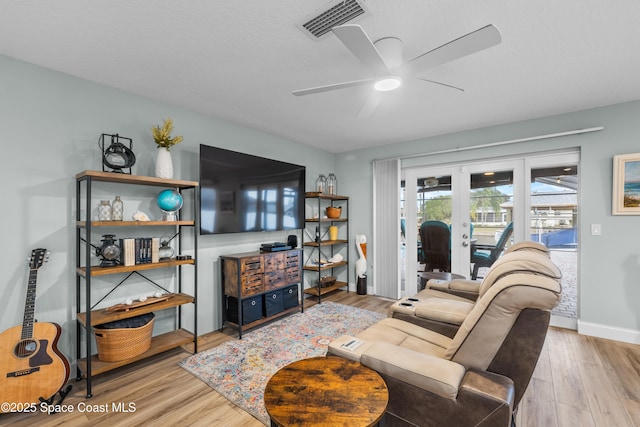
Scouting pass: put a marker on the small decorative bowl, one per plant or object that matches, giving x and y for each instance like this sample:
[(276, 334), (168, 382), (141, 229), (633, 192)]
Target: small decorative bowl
[(333, 212)]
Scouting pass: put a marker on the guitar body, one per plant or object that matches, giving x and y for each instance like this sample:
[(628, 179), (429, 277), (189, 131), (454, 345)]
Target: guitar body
[(31, 368)]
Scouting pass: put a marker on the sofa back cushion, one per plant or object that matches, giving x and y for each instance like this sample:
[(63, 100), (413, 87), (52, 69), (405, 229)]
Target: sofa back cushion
[(519, 262), (481, 334)]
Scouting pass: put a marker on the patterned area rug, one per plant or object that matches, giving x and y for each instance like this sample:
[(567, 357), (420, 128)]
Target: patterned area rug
[(240, 369)]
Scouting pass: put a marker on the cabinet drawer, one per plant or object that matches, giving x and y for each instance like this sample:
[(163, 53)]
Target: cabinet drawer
[(292, 260), (251, 265), (251, 284), (273, 303), (293, 275), (273, 262), (273, 280)]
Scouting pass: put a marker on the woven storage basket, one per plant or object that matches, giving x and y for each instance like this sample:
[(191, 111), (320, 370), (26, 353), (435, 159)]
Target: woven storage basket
[(123, 343)]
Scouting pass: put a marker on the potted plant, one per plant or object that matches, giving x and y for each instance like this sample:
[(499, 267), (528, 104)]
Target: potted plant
[(164, 141)]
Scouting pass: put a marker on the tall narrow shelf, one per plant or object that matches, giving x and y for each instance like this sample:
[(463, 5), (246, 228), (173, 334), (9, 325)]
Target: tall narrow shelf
[(322, 248), (87, 316)]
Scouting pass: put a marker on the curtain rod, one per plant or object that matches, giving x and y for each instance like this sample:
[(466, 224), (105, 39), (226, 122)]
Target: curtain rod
[(511, 141)]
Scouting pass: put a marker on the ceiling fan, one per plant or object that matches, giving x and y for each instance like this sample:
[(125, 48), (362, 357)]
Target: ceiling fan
[(384, 59)]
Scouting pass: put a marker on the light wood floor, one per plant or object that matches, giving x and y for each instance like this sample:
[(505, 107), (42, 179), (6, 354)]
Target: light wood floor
[(579, 381)]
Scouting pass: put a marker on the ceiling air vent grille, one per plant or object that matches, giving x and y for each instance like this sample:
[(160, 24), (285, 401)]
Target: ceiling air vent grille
[(323, 21)]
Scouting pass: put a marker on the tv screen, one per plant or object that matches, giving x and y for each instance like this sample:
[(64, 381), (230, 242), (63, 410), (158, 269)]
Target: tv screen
[(245, 193)]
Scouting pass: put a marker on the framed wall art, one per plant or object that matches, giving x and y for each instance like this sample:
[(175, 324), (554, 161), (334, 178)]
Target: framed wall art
[(626, 184)]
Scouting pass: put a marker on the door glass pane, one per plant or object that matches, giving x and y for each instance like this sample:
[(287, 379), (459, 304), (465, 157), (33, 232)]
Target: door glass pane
[(554, 213), (491, 215), (434, 223)]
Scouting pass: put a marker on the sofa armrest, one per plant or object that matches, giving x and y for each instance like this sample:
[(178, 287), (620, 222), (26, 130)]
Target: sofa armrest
[(349, 347), (444, 310), (465, 285), (469, 289), (439, 376)]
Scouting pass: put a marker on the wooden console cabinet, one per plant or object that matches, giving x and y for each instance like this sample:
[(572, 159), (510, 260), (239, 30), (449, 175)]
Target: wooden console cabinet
[(259, 287)]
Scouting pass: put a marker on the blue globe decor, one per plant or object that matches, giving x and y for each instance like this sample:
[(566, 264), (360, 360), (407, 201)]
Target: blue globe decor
[(170, 202)]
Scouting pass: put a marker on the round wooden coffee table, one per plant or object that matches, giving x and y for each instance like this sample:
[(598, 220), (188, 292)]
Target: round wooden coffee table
[(326, 391)]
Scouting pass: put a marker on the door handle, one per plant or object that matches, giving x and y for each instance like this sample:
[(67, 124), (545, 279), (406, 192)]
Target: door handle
[(465, 244)]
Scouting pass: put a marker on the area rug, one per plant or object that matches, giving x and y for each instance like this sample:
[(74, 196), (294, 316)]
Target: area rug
[(240, 369)]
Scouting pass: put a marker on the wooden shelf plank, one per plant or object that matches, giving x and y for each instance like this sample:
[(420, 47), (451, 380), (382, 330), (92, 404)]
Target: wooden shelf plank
[(135, 223), (96, 270), (315, 291), (135, 179), (326, 243), (159, 344), (313, 194), (326, 220), (325, 267), (98, 317)]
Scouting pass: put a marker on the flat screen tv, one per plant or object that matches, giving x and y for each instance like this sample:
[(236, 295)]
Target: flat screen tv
[(245, 193)]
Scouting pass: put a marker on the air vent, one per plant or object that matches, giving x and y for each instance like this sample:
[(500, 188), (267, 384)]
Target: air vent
[(337, 13)]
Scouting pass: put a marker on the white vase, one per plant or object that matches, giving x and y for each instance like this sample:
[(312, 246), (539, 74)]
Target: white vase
[(164, 163)]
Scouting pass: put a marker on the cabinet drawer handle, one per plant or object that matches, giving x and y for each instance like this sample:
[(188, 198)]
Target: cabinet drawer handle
[(253, 303), (290, 291), (274, 296)]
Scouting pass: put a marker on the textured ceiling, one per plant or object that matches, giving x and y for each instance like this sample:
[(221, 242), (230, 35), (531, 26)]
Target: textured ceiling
[(240, 60)]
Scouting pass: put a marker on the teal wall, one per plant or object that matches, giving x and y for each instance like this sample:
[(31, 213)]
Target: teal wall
[(609, 265), (51, 122)]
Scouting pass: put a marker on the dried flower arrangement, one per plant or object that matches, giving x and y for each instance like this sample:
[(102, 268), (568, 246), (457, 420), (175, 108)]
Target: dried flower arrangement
[(162, 135)]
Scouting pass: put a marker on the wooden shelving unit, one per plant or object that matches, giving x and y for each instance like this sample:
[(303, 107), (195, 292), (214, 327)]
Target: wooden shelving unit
[(88, 363), (314, 248)]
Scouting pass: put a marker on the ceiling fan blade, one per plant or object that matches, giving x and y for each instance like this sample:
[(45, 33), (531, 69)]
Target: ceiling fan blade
[(466, 45), (335, 86), (370, 104), (441, 84), (357, 41)]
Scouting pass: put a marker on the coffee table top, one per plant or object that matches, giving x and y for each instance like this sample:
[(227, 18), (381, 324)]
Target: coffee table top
[(326, 391)]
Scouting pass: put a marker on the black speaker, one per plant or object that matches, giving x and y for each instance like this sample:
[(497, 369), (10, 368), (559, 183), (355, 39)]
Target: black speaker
[(292, 241)]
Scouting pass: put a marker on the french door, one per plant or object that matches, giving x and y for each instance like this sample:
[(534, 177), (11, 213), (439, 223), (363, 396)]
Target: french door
[(476, 200), (530, 198)]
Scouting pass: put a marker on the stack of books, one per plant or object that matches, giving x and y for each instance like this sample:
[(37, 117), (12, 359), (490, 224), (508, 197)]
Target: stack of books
[(139, 250)]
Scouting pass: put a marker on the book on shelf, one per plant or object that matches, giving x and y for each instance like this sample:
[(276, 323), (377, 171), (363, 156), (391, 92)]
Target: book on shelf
[(139, 250)]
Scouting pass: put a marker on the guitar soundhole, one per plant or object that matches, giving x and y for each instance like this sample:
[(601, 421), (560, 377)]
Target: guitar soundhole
[(25, 348)]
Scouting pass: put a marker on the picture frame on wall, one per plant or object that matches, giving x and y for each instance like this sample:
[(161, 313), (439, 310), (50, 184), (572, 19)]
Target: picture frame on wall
[(626, 184)]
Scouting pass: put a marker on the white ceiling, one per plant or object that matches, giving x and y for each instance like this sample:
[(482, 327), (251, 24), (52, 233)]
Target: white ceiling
[(240, 60)]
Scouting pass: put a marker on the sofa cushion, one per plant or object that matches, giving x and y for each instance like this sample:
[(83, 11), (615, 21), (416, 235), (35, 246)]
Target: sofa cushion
[(407, 335), (430, 373)]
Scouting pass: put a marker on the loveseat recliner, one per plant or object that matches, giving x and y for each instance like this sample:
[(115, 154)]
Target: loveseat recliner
[(475, 378), (443, 305)]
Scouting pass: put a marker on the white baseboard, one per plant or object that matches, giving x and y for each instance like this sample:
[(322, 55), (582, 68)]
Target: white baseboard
[(564, 322), (630, 336)]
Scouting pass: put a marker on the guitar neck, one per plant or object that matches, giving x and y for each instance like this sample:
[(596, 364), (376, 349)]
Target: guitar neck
[(30, 305)]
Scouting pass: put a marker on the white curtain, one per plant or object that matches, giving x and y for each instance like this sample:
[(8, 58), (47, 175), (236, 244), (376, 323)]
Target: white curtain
[(386, 227)]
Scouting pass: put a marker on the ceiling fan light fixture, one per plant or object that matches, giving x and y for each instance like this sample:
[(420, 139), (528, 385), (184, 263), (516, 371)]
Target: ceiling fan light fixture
[(388, 83)]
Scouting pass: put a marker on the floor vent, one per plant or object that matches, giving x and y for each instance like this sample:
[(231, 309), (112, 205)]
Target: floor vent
[(341, 12)]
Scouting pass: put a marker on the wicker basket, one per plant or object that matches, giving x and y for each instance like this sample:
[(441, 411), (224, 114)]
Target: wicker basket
[(123, 343)]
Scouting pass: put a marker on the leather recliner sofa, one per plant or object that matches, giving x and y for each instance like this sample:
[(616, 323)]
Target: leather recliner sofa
[(475, 378), (441, 306)]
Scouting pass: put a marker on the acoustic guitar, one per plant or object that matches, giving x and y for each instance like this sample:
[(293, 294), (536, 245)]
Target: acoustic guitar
[(32, 370)]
